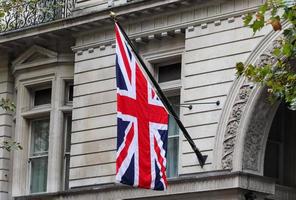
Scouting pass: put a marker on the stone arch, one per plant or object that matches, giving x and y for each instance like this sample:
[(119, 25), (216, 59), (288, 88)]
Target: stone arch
[(246, 118)]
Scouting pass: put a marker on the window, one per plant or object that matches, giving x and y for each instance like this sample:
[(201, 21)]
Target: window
[(169, 72), (67, 131), (67, 146), (42, 97), (39, 155), (169, 78), (43, 114), (69, 92), (173, 139), (40, 146), (44, 105)]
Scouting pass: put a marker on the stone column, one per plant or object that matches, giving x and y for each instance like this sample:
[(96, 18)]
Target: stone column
[(55, 157), (6, 91)]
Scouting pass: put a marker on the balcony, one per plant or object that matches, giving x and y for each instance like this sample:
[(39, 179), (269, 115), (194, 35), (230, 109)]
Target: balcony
[(34, 13)]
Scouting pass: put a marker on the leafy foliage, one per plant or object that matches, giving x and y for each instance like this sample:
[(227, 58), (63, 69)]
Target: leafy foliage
[(7, 105), (9, 145), (279, 78)]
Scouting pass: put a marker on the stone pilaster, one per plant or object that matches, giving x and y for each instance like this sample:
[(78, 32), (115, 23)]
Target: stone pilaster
[(6, 91)]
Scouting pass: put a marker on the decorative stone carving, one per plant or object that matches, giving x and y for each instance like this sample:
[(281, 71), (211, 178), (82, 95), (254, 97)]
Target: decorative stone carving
[(260, 118), (255, 131), (232, 126), (258, 124), (266, 58), (253, 144)]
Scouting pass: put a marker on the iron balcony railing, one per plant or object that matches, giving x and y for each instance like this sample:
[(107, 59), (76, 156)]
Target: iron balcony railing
[(32, 13)]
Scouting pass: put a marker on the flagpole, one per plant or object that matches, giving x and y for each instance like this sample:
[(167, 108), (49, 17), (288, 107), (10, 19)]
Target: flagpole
[(201, 158)]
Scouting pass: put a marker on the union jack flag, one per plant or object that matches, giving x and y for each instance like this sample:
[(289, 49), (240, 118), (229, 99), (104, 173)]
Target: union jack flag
[(142, 123)]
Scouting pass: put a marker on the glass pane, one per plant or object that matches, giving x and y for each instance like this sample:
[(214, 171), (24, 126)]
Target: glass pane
[(67, 150), (40, 130), (173, 127), (68, 133), (42, 97), (175, 101), (172, 157), (70, 95), (67, 167), (169, 72), (38, 174)]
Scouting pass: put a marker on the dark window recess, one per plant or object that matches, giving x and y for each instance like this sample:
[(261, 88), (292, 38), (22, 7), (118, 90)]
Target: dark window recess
[(70, 94), (169, 72), (42, 97), (67, 150), (280, 156)]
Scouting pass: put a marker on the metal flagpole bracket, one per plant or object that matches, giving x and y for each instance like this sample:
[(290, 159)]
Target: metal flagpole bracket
[(190, 105)]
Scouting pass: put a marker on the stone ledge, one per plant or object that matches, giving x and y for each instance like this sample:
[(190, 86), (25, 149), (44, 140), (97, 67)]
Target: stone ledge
[(194, 183)]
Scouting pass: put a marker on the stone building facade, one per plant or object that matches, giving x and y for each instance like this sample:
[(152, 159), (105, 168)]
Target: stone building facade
[(61, 75)]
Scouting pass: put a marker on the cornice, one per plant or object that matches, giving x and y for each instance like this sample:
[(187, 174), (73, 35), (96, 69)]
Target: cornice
[(130, 12), (165, 31), (195, 183), (84, 18)]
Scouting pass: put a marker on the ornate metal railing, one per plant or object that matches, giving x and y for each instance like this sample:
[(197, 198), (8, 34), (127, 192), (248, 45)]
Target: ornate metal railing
[(36, 12)]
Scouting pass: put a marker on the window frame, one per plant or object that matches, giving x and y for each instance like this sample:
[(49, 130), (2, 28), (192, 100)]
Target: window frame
[(32, 90), (68, 83), (170, 88), (65, 153), (30, 157), (167, 64), (26, 113), (173, 93), (56, 67)]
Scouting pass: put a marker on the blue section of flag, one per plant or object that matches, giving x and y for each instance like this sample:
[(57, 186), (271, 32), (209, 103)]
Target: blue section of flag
[(158, 184), (119, 77), (121, 127), (128, 177)]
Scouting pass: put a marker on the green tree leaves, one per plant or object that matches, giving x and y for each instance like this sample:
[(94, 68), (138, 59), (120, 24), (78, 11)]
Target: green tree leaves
[(10, 145), (279, 78), (7, 104)]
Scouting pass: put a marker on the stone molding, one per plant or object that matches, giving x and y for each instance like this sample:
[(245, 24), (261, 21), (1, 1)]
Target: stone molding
[(191, 184), (233, 125), (163, 24), (261, 118), (37, 56), (192, 14)]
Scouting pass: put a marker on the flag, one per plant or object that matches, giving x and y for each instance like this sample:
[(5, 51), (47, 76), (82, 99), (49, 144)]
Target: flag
[(142, 123)]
